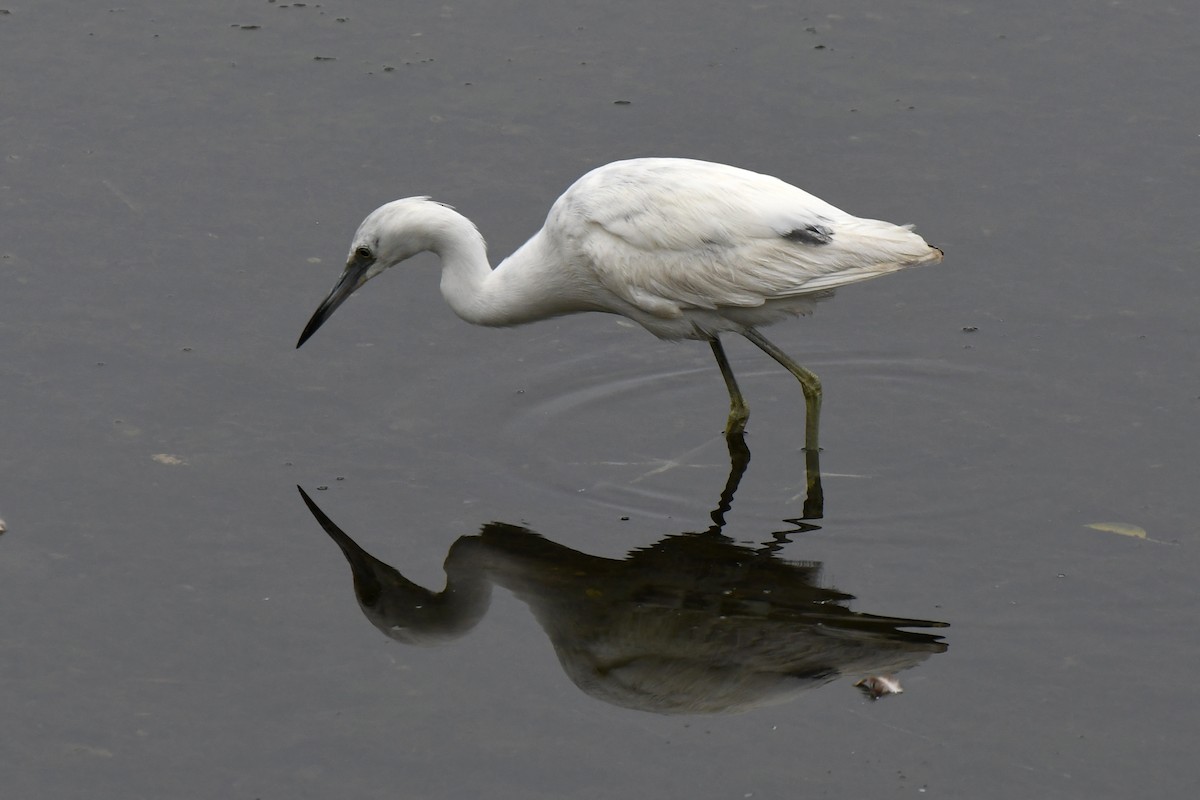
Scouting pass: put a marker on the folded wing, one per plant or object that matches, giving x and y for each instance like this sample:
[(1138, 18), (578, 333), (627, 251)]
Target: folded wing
[(670, 234)]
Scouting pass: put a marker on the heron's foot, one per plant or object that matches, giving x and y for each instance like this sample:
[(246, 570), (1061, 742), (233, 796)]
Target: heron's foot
[(736, 424)]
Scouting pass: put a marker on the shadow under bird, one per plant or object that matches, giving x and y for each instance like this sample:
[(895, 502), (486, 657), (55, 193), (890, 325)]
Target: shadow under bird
[(687, 249)]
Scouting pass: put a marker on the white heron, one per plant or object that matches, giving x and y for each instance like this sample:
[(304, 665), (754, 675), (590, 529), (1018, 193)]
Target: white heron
[(687, 249)]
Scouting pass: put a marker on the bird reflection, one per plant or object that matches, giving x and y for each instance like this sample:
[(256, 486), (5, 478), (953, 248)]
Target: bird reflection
[(692, 624)]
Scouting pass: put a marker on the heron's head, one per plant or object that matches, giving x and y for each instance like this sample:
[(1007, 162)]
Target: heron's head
[(390, 234)]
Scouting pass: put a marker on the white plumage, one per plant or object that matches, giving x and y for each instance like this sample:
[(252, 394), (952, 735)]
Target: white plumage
[(687, 249)]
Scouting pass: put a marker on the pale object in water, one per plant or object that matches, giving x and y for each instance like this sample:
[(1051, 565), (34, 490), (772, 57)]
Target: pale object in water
[(877, 686)]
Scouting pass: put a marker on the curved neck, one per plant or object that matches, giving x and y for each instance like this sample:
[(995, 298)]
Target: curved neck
[(531, 284), (465, 266)]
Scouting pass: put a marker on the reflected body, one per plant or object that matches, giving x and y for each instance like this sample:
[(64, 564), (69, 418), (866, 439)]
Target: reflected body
[(695, 623), (687, 249)]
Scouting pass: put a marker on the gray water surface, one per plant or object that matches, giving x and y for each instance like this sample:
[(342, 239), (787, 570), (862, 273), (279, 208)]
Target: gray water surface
[(180, 182)]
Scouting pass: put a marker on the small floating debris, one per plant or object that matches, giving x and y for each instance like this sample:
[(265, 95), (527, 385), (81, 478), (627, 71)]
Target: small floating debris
[(3, 527), (1124, 529), (168, 459), (1119, 528), (876, 686)]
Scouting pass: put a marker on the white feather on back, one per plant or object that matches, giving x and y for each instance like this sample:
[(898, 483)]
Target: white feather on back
[(667, 235)]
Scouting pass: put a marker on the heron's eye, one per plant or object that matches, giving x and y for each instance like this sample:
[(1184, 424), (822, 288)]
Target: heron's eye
[(363, 253)]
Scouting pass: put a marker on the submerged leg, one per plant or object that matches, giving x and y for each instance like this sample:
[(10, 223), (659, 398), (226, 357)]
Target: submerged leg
[(814, 500), (814, 495), (739, 412), (809, 382)]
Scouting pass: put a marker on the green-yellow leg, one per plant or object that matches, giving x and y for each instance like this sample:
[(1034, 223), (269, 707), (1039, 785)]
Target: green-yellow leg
[(809, 382), (814, 501), (739, 412)]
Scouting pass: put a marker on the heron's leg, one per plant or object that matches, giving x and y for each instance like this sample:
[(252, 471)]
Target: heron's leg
[(814, 495), (809, 382), (739, 412), (814, 502)]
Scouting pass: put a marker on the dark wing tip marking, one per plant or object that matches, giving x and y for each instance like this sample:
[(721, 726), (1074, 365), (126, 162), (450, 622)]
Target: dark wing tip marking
[(810, 234)]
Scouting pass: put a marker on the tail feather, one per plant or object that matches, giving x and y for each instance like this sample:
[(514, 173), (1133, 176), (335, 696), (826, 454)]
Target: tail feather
[(870, 248)]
